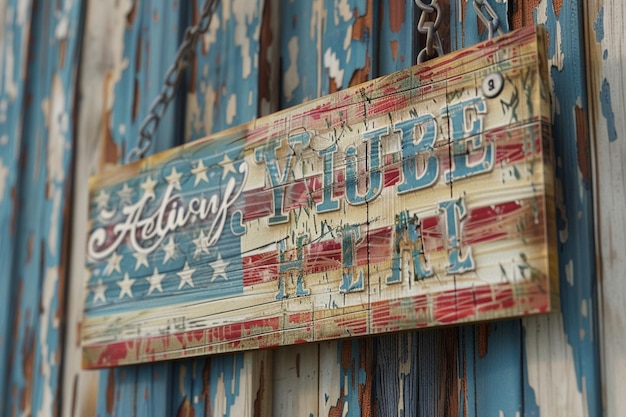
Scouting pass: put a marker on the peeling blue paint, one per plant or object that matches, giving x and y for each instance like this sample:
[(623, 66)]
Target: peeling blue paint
[(300, 62), (334, 52), (607, 110), (395, 45), (576, 220), (569, 89), (226, 71), (12, 96), (36, 101), (160, 384), (352, 378), (598, 25)]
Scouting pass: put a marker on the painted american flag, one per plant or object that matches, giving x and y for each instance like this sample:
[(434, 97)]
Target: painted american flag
[(411, 201)]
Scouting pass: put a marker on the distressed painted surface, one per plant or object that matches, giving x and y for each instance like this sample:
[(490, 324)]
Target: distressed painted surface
[(130, 71), (13, 63), (565, 356), (142, 52), (605, 62), (37, 102), (568, 341), (242, 285), (232, 82)]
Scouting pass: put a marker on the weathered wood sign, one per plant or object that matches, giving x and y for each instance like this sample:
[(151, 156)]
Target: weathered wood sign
[(419, 199)]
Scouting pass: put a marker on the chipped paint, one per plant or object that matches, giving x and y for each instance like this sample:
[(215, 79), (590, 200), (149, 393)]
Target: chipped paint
[(579, 358), (231, 109), (4, 177), (333, 66), (598, 25), (607, 110), (33, 260), (48, 294), (291, 77), (569, 392), (244, 18), (541, 13), (569, 272), (560, 361)]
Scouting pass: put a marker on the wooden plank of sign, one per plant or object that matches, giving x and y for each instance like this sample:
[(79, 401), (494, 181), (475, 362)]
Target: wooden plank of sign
[(417, 199)]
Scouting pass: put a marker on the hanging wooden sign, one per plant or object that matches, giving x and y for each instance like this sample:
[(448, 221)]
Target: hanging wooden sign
[(422, 198)]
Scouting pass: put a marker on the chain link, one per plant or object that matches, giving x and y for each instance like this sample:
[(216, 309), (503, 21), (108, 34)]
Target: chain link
[(490, 19), (430, 29), (182, 60)]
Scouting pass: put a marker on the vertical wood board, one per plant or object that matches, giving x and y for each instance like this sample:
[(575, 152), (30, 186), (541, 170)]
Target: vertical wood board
[(605, 61)]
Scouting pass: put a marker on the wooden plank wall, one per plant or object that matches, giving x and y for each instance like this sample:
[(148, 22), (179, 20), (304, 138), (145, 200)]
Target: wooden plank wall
[(257, 57), (607, 85), (40, 45)]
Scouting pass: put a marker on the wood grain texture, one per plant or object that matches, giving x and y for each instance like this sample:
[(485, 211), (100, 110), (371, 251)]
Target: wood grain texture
[(15, 32), (605, 61), (40, 45), (231, 81), (249, 266), (101, 63), (129, 70), (567, 341), (543, 341)]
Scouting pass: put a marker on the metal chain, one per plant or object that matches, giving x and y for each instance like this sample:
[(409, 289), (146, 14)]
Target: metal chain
[(182, 60), (430, 29), (490, 19)]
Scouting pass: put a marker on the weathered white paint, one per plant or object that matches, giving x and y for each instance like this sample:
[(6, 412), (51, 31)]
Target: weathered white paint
[(551, 371), (606, 60), (210, 97), (47, 295), (4, 176), (115, 47), (295, 380), (332, 64), (7, 59), (57, 122), (329, 378), (104, 30), (210, 37), (342, 10), (569, 272), (542, 12), (291, 77), (53, 232), (245, 11)]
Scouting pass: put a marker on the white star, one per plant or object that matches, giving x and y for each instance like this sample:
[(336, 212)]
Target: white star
[(174, 178), (155, 281), (185, 276), (113, 264), (141, 259), (102, 200), (126, 194), (201, 244), (148, 186), (200, 173), (99, 292), (170, 249), (227, 166), (219, 268), (126, 286)]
